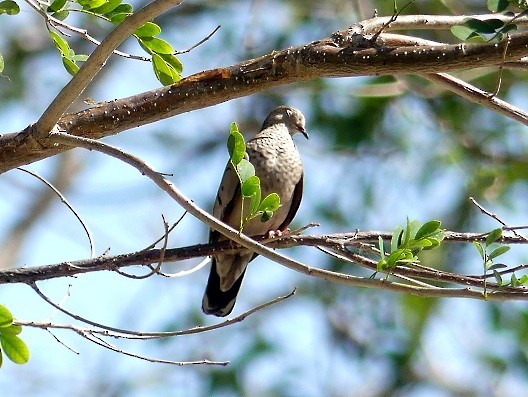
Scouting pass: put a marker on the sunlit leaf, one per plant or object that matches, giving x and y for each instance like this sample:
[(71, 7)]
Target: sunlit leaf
[(107, 7), (250, 186), (11, 330), (61, 43), (254, 201), (173, 61), (56, 5), (119, 17), (162, 70), (428, 229), (149, 29), (70, 66), (15, 349), (157, 45), (91, 4), (6, 318), (245, 170), (270, 203), (236, 145)]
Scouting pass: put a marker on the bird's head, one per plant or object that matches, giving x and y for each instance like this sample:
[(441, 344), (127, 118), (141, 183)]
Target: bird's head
[(291, 117)]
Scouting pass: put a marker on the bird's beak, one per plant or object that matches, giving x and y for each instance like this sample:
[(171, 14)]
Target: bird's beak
[(301, 129)]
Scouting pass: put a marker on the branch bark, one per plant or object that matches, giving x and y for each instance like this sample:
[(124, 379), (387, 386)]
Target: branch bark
[(345, 54)]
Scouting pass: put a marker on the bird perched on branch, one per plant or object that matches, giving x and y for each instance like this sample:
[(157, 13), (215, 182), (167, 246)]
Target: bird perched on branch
[(278, 165)]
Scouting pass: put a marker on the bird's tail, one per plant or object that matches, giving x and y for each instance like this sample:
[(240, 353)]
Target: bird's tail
[(215, 301)]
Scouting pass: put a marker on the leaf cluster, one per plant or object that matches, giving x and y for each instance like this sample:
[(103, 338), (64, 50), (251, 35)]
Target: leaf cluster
[(249, 182), (14, 348), (482, 30), (489, 251), (167, 67), (407, 242)]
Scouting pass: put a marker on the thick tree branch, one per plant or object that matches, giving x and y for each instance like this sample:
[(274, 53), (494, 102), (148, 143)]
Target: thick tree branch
[(337, 242), (345, 54)]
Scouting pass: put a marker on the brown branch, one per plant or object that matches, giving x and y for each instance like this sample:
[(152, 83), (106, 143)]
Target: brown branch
[(343, 55), (152, 256)]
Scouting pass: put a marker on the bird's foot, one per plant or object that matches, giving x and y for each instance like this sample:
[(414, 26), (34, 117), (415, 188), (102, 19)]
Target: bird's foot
[(277, 233)]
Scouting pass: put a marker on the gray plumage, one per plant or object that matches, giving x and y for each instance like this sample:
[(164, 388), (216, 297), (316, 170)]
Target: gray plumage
[(278, 165)]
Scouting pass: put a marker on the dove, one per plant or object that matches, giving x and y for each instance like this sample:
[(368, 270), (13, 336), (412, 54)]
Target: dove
[(278, 164)]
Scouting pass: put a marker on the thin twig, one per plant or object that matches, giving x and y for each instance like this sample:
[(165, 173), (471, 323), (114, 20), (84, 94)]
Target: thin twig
[(200, 42), (496, 217), (105, 330), (52, 21), (67, 204)]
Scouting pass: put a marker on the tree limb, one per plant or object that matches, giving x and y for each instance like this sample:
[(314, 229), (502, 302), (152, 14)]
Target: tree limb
[(345, 54)]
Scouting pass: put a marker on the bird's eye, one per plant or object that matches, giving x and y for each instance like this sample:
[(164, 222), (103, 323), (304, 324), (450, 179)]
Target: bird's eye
[(289, 113)]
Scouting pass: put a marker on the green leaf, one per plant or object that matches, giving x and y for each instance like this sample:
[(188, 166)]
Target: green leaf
[(496, 266), (11, 330), (396, 256), (254, 202), (236, 145), (396, 238), (420, 244), (61, 44), (107, 7), (485, 27), (15, 349), (466, 34), (78, 57), (56, 5), (480, 249), (266, 216), (497, 5), (70, 66), (509, 27), (164, 72), (493, 236), (6, 318), (250, 186), (381, 249), (1, 63), (270, 203), (245, 170), (123, 8), (156, 45), (382, 265), (428, 229), (91, 4), (523, 280), (119, 17), (149, 29), (9, 7), (498, 277), (406, 234), (434, 243), (173, 61), (499, 251), (61, 15)]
